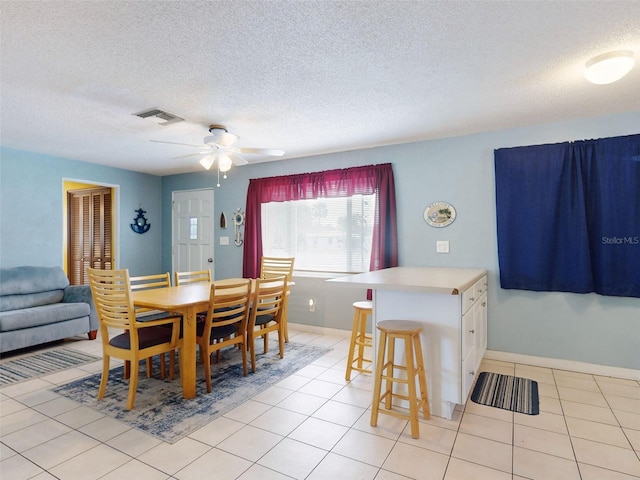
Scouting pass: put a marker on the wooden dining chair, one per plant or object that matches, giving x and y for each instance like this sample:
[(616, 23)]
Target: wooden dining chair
[(275, 266), (186, 278), (266, 314), (111, 291), (146, 282), (226, 323)]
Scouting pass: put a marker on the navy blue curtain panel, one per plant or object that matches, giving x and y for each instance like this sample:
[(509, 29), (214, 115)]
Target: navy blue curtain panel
[(568, 216)]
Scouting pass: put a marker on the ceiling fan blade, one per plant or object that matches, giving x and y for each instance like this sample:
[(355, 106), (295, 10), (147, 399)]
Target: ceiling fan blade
[(272, 152), (176, 143), (190, 155), (236, 159), (202, 152)]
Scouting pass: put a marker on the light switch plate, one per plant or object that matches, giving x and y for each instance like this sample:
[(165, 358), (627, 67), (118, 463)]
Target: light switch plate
[(442, 246), (224, 240)]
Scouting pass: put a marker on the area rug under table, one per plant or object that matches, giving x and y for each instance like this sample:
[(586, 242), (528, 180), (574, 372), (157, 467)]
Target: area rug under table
[(42, 363), (159, 407), (507, 392)]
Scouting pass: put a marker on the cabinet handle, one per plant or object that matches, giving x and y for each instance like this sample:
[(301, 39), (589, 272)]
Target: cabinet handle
[(472, 331), (472, 373), (472, 299), (484, 304)]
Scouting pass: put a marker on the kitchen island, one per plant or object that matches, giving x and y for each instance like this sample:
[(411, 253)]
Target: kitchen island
[(451, 305)]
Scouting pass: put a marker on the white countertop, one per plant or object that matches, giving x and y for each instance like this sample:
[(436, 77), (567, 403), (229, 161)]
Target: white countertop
[(450, 281)]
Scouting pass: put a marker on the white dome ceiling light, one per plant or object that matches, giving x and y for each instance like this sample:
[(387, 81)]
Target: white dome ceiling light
[(609, 67)]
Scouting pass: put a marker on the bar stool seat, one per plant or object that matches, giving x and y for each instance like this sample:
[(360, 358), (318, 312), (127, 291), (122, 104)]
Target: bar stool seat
[(360, 339), (386, 367)]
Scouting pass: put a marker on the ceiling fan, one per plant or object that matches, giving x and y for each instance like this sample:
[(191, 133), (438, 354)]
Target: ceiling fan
[(217, 146)]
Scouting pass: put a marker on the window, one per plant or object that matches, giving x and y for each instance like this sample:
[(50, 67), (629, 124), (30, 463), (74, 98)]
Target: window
[(333, 220), (193, 228), (323, 234)]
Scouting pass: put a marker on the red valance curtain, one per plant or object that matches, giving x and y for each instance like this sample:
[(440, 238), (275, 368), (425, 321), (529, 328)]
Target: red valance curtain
[(345, 182)]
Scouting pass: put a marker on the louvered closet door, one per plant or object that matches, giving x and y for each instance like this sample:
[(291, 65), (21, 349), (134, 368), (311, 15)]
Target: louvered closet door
[(90, 233)]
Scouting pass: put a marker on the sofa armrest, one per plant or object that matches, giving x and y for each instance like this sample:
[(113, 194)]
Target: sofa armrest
[(79, 294)]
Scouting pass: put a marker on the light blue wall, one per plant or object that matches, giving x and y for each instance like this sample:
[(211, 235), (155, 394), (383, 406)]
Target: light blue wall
[(587, 328), (31, 210)]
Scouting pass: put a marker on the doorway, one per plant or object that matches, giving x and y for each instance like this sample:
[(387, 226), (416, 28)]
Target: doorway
[(89, 232), (192, 231)]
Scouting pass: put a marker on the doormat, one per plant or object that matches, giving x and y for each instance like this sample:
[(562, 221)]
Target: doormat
[(43, 363), (507, 392), (159, 408)]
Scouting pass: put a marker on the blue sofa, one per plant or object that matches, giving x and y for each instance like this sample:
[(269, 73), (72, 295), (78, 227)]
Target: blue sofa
[(37, 305)]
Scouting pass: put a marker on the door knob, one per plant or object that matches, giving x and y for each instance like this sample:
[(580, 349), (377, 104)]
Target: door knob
[(210, 260)]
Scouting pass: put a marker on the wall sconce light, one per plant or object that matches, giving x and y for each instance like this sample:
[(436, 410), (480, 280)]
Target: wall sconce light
[(609, 67)]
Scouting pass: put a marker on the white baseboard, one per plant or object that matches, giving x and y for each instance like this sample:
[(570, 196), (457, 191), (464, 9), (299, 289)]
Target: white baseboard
[(320, 330), (559, 364)]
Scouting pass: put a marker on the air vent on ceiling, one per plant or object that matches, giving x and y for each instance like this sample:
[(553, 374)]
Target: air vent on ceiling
[(159, 116)]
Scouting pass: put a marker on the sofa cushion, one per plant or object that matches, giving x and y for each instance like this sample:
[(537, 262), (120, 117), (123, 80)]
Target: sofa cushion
[(18, 284), (17, 302), (21, 280), (42, 315)]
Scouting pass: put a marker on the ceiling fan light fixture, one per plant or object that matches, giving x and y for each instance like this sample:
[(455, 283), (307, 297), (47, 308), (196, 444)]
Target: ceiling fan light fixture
[(207, 161), (220, 136), (224, 163), (609, 67), (227, 139)]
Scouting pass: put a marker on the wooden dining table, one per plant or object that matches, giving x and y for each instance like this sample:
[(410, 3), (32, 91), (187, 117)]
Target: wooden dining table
[(186, 300)]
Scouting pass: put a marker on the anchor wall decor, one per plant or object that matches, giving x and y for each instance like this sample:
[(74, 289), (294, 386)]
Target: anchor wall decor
[(140, 224), (238, 221)]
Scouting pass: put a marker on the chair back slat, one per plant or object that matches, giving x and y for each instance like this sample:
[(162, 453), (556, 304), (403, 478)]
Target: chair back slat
[(269, 297), (185, 278), (276, 266), (147, 282), (229, 304)]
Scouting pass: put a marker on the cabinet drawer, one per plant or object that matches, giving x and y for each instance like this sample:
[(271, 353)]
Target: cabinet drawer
[(480, 287), (468, 297), (473, 293)]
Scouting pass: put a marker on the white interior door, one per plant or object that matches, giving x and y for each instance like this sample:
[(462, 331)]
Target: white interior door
[(192, 230)]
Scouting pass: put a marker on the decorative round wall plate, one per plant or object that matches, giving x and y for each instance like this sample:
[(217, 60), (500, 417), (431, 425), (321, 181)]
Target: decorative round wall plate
[(439, 214)]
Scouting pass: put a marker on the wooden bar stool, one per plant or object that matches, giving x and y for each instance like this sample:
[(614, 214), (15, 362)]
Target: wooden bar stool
[(360, 339), (390, 331)]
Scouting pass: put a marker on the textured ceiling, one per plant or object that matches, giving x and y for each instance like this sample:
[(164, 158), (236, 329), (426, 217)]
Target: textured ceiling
[(309, 77)]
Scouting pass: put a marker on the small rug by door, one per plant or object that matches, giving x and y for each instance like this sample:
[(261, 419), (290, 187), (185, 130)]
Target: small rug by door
[(507, 392), (161, 411), (42, 363)]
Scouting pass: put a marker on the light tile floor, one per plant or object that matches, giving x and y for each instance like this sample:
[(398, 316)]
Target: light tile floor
[(314, 425)]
